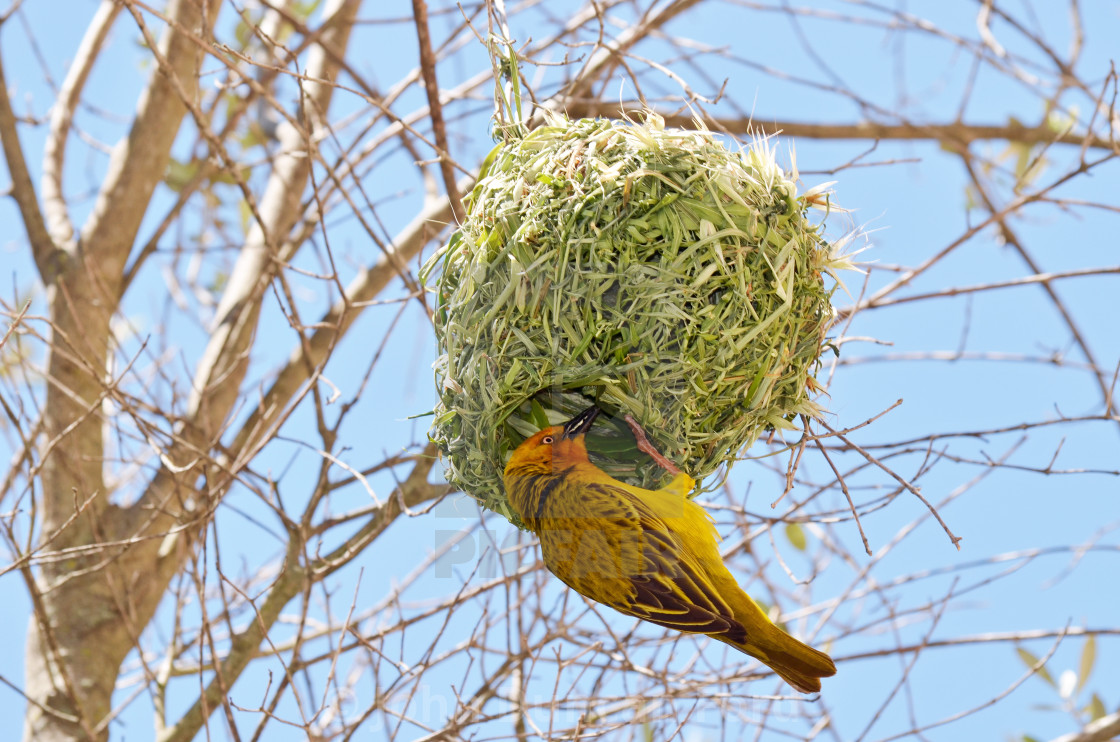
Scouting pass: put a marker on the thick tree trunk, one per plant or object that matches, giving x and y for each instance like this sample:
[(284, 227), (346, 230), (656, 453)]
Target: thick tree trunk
[(107, 566), (84, 624), (70, 590)]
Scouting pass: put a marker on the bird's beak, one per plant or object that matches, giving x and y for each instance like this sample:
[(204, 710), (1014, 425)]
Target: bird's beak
[(581, 423)]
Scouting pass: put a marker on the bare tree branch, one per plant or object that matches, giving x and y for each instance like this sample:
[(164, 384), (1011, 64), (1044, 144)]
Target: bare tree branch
[(435, 109), (332, 327), (414, 491), (1012, 238), (62, 117), (957, 133), (1101, 730), (139, 161), (43, 249)]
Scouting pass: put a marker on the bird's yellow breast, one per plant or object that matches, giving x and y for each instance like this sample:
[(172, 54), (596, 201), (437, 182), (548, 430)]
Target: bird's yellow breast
[(597, 533)]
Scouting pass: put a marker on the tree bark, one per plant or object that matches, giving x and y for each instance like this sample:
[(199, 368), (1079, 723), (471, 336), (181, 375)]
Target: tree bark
[(82, 627)]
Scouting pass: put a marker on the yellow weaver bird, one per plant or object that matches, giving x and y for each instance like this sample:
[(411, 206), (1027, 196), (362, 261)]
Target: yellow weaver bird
[(650, 554)]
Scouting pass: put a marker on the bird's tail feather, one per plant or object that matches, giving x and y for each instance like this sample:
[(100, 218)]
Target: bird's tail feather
[(800, 665), (796, 663)]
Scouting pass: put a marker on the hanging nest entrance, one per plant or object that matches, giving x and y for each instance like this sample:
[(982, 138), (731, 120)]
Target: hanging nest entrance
[(651, 270)]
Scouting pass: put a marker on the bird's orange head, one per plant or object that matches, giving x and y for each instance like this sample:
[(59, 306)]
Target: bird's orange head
[(557, 447)]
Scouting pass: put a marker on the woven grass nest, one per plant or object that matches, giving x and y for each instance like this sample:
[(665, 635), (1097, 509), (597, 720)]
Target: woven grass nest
[(652, 271)]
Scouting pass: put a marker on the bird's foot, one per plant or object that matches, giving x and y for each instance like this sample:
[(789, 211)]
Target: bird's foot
[(645, 446)]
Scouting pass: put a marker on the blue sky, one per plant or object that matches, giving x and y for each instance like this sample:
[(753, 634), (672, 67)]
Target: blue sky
[(910, 197)]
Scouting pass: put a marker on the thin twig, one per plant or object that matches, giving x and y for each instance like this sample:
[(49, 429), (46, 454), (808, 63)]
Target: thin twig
[(909, 487), (847, 494), (435, 108)]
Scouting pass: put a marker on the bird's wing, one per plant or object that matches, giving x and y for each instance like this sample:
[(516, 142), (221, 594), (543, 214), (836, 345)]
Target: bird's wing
[(671, 587), (672, 592)]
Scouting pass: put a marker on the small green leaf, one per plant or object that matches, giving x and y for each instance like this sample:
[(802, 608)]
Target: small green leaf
[(242, 32), (303, 10), (1030, 661), (796, 535), (218, 282), (1061, 121), (971, 199), (179, 174), (1029, 738), (1022, 153), (225, 176), (246, 215), (253, 136), (1088, 657), (1096, 708)]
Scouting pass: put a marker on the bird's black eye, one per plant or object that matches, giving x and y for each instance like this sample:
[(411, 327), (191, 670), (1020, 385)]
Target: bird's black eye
[(548, 439)]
